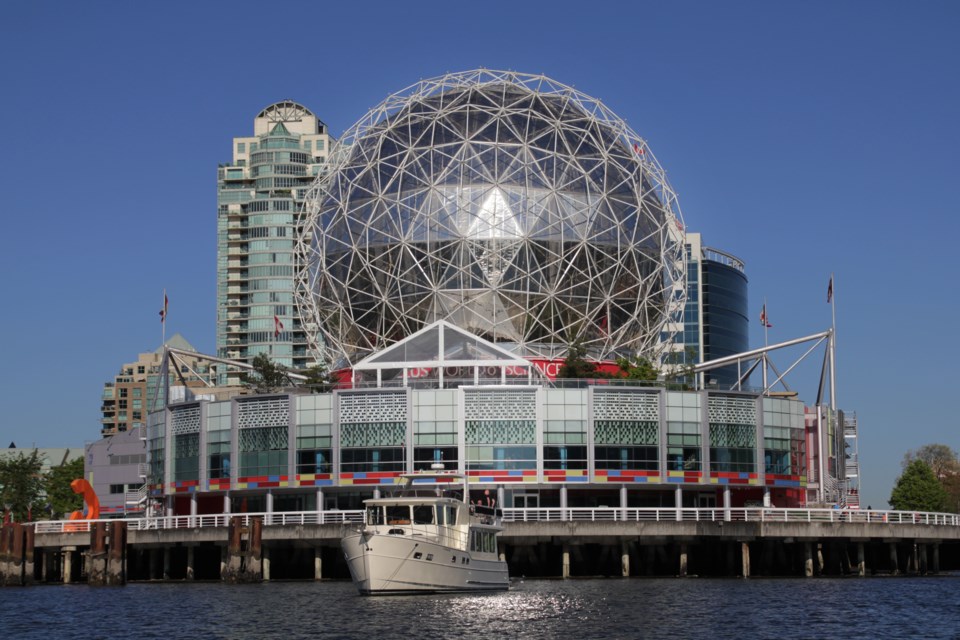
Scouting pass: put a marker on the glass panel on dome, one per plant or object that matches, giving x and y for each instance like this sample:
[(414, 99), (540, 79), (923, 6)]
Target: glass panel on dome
[(417, 348), (458, 346)]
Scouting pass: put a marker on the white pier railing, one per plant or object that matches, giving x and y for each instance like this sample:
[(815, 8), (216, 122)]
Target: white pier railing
[(575, 514)]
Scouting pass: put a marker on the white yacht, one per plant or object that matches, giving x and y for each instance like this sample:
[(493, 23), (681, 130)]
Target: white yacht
[(426, 540)]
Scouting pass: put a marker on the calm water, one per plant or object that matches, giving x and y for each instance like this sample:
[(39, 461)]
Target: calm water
[(574, 610)]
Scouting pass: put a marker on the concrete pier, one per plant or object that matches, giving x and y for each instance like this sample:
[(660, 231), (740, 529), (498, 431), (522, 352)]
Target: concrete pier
[(248, 551)]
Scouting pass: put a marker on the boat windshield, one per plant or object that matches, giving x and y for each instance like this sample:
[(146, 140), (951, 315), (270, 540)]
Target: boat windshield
[(423, 514), (398, 514), (374, 515), (417, 514)]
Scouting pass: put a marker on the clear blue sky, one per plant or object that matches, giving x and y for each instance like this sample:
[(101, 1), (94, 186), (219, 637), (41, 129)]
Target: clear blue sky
[(805, 137)]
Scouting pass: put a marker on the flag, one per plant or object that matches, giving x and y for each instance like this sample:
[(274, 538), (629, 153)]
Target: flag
[(163, 312), (277, 327), (637, 149), (830, 291), (763, 317)]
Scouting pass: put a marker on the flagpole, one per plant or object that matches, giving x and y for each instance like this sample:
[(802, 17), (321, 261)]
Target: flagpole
[(163, 319), (766, 343), (833, 346)]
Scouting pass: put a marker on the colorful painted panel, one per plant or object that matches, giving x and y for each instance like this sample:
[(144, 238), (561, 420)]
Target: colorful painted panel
[(565, 475), (184, 486), (733, 477), (314, 480), (626, 475), (219, 484), (502, 475), (370, 478), (777, 480), (682, 477), (262, 482)]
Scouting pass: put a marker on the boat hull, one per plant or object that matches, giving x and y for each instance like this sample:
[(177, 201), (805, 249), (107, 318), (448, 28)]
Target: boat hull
[(383, 564)]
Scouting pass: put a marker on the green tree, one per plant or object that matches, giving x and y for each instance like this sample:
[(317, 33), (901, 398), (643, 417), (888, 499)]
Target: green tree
[(267, 375), (945, 465), (21, 484), (318, 378), (637, 368), (941, 459), (917, 489), (576, 365), (952, 485), (60, 496)]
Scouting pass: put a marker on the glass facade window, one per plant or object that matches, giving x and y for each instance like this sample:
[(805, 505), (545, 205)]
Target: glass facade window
[(314, 449), (372, 460), (372, 447), (156, 433), (776, 450), (726, 326), (684, 446), (501, 444), (565, 444), (186, 456), (435, 442), (784, 440), (435, 429), (733, 448), (565, 430), (263, 451), (626, 445), (218, 454)]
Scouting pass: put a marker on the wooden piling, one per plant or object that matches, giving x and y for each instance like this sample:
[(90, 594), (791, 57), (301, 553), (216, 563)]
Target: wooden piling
[(244, 563), (97, 554), (11, 554), (29, 568), (116, 558)]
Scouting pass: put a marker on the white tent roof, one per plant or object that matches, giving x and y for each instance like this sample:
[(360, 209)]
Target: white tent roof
[(440, 346)]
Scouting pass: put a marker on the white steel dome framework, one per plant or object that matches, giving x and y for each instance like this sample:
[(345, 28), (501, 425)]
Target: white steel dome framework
[(507, 204)]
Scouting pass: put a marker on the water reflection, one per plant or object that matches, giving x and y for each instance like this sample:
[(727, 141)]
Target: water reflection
[(573, 610)]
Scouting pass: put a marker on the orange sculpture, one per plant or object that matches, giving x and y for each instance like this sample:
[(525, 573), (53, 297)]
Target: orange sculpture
[(83, 487)]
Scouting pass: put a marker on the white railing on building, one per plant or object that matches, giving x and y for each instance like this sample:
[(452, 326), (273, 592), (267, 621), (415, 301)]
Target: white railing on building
[(576, 514)]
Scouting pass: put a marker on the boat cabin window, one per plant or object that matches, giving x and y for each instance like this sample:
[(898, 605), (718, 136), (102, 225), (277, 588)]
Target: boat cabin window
[(374, 515), (398, 514), (451, 515), (483, 541), (423, 514)]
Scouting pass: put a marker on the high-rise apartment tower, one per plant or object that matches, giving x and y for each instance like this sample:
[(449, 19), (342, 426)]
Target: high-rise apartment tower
[(259, 197)]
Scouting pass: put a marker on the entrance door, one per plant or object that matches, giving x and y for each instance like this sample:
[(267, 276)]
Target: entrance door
[(707, 501), (526, 501)]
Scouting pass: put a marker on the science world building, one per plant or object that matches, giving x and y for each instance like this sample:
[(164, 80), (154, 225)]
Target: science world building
[(469, 230)]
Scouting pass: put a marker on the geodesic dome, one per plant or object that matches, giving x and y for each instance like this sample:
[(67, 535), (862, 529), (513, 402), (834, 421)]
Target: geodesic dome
[(507, 204)]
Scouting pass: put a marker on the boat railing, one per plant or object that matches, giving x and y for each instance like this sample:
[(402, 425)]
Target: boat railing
[(449, 536)]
